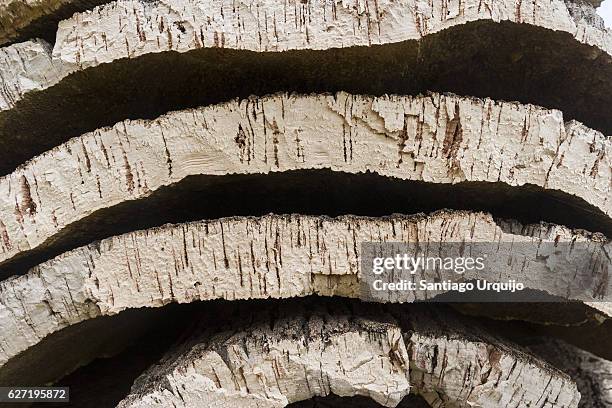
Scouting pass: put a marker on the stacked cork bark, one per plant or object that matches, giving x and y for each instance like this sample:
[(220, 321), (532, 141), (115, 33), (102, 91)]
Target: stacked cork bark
[(186, 186)]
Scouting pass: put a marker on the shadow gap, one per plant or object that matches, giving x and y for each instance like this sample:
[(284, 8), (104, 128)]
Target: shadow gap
[(45, 26), (312, 192), (503, 61), (100, 358)]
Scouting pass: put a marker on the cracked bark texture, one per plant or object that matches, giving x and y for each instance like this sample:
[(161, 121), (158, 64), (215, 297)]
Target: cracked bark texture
[(280, 361), (26, 67), (21, 19), (110, 36), (127, 29), (287, 356), (262, 258), (435, 139), (17, 15), (454, 362), (592, 374)]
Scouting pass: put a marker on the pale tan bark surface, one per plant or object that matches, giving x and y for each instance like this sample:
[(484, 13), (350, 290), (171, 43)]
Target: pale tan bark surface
[(261, 258), (26, 67), (21, 19), (131, 28), (455, 362), (297, 359), (17, 15), (128, 29), (287, 356), (140, 59), (128, 42), (436, 139), (592, 374)]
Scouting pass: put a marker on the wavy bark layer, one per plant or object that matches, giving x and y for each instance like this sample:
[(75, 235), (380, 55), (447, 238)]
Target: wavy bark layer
[(592, 375), (538, 53), (587, 328), (455, 362), (117, 179), (22, 19), (261, 258), (287, 356)]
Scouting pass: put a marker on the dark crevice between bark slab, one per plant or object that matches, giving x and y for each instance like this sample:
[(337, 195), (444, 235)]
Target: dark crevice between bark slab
[(591, 374), (45, 24), (595, 336), (312, 192), (100, 359), (573, 322), (527, 295), (504, 61), (333, 401)]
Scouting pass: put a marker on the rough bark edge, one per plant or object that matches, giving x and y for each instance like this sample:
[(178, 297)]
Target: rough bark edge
[(592, 374), (454, 358), (458, 370), (28, 72), (298, 359), (435, 139), (128, 29), (248, 258), (19, 18)]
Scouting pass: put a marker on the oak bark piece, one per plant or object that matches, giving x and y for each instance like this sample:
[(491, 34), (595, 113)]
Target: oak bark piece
[(62, 199), (592, 374), (261, 258), (305, 353), (424, 47)]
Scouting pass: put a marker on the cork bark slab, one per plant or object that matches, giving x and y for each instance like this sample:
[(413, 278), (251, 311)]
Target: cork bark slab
[(21, 20), (39, 18), (296, 359), (456, 362), (261, 258), (592, 375), (546, 53), (465, 153), (586, 328), (291, 356)]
